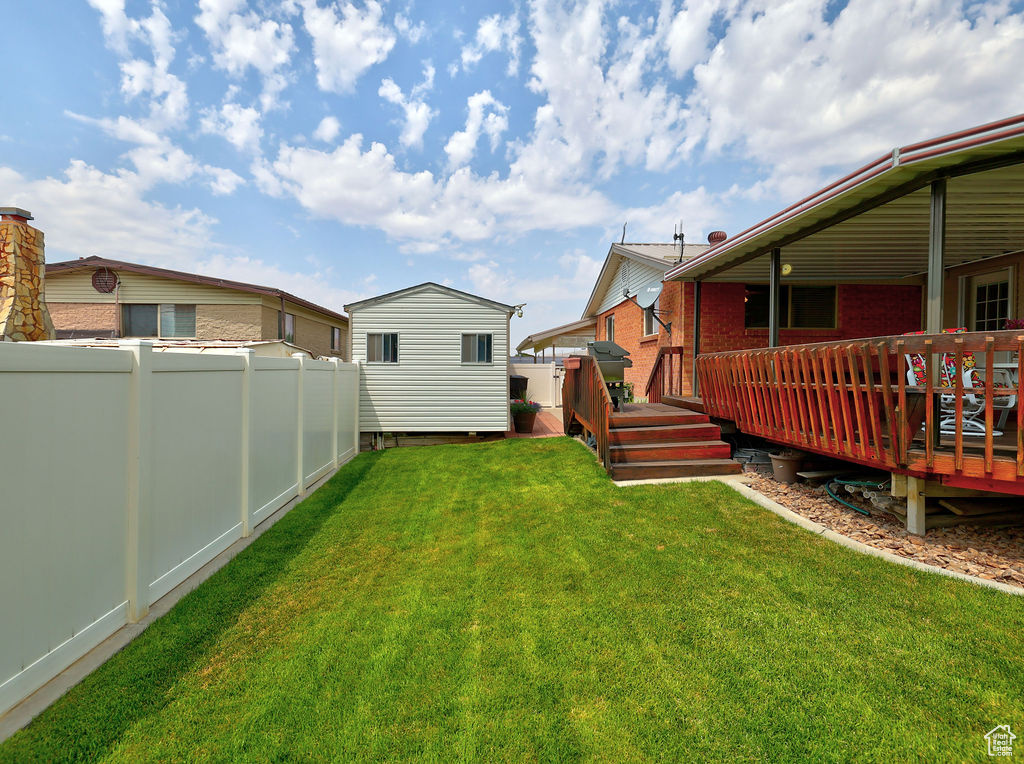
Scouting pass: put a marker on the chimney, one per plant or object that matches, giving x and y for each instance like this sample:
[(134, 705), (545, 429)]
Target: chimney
[(23, 313)]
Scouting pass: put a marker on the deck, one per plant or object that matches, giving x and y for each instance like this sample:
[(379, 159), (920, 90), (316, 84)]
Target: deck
[(853, 400)]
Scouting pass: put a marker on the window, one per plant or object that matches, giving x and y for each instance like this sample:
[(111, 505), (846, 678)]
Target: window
[(382, 348), (289, 326), (476, 348), (609, 328), (166, 320), (335, 338), (802, 307), (990, 301), (650, 322)]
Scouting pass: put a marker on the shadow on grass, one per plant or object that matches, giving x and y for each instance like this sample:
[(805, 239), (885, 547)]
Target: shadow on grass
[(135, 683)]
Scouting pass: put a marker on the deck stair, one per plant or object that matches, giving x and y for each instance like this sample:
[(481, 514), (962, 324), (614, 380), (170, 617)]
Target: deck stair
[(657, 440)]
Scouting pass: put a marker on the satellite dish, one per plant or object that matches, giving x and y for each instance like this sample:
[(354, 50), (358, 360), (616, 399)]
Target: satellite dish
[(648, 295)]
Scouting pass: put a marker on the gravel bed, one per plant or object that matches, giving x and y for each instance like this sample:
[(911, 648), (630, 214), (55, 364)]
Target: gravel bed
[(995, 554)]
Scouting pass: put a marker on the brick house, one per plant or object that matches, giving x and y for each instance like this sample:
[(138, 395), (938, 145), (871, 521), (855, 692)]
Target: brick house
[(94, 297), (734, 312)]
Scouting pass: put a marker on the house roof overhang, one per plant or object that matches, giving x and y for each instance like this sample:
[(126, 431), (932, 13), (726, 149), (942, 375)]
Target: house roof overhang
[(873, 224), (93, 262), (573, 335)]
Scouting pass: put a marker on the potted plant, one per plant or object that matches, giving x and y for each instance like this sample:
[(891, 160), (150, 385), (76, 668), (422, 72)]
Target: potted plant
[(524, 414)]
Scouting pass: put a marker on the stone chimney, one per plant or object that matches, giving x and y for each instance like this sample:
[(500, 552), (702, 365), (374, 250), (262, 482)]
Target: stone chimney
[(23, 313)]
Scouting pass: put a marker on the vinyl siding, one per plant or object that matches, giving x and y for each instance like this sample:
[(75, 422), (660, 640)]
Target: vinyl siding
[(629, 275), (430, 389), (140, 288)]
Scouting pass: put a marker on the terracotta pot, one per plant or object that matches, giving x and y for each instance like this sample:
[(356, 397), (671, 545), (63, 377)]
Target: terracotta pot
[(524, 421)]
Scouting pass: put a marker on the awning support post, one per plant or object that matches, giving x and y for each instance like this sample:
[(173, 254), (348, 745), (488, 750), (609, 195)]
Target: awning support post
[(696, 336), (936, 254), (774, 297)]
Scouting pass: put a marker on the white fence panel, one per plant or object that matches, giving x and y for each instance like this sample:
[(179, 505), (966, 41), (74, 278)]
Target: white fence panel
[(123, 471), (63, 461), (544, 381), (318, 418), (274, 454), (196, 464), (347, 391)]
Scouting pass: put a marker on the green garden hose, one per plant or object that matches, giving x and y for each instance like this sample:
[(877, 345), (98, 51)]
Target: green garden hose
[(859, 483)]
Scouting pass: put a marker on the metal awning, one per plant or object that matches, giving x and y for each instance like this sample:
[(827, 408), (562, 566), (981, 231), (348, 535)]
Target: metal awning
[(574, 335), (873, 224)]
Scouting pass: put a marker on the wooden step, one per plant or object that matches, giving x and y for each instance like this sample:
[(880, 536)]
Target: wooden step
[(656, 420), (669, 469), (669, 450), (684, 402), (651, 434)]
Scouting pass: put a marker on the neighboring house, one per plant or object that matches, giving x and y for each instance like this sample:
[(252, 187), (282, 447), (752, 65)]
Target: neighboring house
[(432, 359), (94, 297)]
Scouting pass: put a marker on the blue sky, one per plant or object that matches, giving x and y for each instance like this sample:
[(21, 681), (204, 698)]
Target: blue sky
[(344, 149)]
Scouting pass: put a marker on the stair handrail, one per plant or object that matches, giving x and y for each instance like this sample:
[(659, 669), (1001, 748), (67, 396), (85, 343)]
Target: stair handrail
[(656, 379), (585, 397)]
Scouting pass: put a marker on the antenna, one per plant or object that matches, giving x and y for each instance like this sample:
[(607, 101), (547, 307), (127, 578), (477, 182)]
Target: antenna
[(624, 233), (678, 235)]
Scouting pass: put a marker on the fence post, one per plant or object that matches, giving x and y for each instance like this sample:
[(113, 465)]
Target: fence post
[(247, 355), (300, 425), (334, 413), (139, 502)]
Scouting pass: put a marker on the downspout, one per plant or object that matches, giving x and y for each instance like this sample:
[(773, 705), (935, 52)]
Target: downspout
[(280, 320)]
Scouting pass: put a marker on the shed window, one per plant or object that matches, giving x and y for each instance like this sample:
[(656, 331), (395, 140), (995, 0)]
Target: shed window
[(801, 307), (476, 348), (166, 320), (382, 348)]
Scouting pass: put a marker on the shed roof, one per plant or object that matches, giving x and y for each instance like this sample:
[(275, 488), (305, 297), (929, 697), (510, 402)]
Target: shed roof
[(873, 223), (430, 285), (195, 278)]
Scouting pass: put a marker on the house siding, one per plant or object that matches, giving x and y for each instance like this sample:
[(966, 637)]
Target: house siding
[(430, 389), (137, 287), (629, 275)]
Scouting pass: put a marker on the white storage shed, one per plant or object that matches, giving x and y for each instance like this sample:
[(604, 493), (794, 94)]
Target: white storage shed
[(432, 359)]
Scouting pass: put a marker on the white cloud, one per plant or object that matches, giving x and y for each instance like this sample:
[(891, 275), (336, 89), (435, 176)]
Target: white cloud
[(413, 33), (327, 130), (495, 33), (416, 111), (239, 125), (239, 39), (222, 181), (788, 91), (344, 47), (485, 115)]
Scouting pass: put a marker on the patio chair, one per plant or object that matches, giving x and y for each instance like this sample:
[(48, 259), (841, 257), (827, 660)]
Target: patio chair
[(973, 408)]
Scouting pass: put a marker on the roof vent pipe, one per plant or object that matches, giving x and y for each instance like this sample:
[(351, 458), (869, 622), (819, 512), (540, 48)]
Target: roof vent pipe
[(716, 237)]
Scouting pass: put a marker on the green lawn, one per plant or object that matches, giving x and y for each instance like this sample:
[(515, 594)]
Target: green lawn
[(505, 601)]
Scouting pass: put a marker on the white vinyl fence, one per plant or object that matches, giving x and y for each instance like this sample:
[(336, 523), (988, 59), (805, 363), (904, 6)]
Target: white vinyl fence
[(124, 470), (544, 381)]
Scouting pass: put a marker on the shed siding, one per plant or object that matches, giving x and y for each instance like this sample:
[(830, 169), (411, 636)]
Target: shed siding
[(629, 275), (430, 389)]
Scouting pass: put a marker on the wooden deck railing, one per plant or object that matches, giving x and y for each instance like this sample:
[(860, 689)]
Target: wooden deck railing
[(852, 399), (585, 398), (666, 377)]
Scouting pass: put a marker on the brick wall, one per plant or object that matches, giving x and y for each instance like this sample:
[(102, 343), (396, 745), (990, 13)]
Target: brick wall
[(229, 322), (82, 319), (863, 311)]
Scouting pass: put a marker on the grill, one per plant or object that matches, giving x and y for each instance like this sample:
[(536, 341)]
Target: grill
[(612, 361)]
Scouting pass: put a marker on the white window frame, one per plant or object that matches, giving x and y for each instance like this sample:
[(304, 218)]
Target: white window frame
[(462, 337), (398, 349), (650, 327), (966, 314), (609, 323), (336, 347), (159, 323)]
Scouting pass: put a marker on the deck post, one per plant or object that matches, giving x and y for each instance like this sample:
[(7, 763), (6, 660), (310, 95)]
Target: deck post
[(936, 253), (694, 388), (774, 297), (915, 506)]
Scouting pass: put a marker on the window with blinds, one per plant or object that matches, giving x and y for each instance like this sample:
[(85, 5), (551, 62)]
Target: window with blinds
[(166, 320), (476, 348), (382, 348)]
